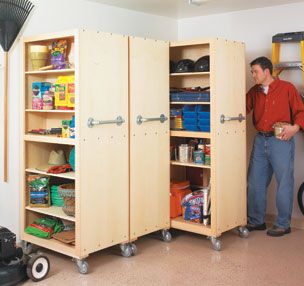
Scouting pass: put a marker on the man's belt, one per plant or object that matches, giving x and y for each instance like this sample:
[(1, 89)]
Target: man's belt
[(266, 134)]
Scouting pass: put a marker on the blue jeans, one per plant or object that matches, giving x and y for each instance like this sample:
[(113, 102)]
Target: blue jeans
[(271, 155)]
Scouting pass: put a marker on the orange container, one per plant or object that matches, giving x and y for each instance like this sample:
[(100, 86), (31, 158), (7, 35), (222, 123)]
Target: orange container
[(177, 191)]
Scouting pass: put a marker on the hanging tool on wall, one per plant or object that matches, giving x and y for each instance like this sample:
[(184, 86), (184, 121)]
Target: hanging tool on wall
[(13, 14), (277, 40)]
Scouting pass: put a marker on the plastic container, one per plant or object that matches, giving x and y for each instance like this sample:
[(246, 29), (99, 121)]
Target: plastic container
[(189, 121), (38, 56), (177, 191), (72, 127), (191, 127)]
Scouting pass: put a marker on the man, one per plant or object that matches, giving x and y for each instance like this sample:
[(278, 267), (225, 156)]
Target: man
[(272, 100)]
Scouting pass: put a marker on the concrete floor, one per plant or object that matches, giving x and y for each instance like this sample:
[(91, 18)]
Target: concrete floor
[(189, 260)]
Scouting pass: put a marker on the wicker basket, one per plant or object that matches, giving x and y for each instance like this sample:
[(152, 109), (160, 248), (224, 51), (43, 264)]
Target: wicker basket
[(67, 192)]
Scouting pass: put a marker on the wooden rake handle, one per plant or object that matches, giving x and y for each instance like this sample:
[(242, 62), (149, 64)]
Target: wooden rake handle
[(5, 119)]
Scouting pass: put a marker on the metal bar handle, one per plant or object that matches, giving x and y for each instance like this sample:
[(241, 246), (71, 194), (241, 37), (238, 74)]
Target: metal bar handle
[(224, 118), (162, 118), (92, 122)]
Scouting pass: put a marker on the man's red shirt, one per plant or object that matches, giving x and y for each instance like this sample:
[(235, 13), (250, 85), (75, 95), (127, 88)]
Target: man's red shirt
[(281, 104)]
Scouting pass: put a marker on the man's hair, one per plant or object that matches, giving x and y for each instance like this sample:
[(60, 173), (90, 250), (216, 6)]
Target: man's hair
[(264, 63)]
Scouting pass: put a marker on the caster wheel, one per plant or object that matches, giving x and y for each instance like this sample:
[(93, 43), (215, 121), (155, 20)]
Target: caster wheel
[(83, 266), (37, 267), (126, 250), (166, 235), (134, 249), (216, 244), (243, 232), (27, 248)]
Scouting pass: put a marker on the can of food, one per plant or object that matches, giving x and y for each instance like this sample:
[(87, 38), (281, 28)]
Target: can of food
[(198, 157), (207, 159), (185, 153), (207, 149), (278, 128)]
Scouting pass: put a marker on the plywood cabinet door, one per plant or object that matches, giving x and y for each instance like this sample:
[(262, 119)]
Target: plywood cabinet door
[(149, 140), (228, 142), (103, 147)]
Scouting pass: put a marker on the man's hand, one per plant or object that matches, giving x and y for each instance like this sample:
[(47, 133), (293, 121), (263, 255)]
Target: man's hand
[(289, 131)]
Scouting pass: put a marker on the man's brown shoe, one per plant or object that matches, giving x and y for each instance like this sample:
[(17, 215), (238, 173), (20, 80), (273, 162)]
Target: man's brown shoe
[(252, 227), (278, 231)]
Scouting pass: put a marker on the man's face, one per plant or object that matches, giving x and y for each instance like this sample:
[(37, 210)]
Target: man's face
[(259, 75)]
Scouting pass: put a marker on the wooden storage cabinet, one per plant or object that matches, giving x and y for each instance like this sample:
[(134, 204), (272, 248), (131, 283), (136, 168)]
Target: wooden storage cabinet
[(227, 171), (100, 67)]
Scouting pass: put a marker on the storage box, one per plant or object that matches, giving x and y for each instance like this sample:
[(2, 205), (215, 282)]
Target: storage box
[(177, 191)]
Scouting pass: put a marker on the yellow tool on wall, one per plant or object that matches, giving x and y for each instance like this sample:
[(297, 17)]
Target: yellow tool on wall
[(277, 40)]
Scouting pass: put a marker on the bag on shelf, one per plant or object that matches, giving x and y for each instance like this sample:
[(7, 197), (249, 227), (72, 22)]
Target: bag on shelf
[(45, 227), (39, 191)]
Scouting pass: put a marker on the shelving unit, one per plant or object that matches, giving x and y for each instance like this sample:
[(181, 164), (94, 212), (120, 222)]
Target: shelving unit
[(100, 193), (227, 171)]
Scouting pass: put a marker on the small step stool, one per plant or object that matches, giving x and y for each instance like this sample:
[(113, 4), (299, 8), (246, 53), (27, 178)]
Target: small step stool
[(277, 39)]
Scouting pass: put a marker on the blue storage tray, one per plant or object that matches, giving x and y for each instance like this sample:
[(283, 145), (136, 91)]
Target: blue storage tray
[(189, 121), (205, 122), (204, 115), (191, 127), (204, 128), (190, 96)]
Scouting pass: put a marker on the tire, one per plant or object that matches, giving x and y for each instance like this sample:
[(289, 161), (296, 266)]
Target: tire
[(38, 267), (300, 198)]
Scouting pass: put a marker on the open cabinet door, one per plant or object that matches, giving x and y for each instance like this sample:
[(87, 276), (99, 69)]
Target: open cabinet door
[(103, 148), (149, 136), (228, 142)]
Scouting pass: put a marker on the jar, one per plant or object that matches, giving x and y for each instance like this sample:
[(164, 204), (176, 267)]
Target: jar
[(185, 153)]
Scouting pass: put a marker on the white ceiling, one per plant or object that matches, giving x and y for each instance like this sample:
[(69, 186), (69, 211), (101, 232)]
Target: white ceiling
[(179, 9)]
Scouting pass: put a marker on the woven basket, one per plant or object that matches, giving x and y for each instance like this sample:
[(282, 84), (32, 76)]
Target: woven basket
[(67, 192)]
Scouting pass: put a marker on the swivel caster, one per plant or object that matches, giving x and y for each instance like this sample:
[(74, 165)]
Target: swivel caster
[(166, 235), (83, 266), (243, 232), (128, 249), (27, 248), (38, 267), (216, 244)]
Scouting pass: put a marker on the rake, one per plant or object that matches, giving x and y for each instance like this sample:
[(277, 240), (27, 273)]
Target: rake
[(13, 14)]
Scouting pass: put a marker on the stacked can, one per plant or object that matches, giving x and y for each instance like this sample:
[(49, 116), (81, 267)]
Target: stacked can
[(207, 154)]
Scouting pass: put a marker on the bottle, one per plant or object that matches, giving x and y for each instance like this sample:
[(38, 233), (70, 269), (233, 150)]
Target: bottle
[(200, 145), (72, 127)]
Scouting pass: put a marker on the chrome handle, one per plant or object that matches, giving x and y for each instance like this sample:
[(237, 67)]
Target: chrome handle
[(92, 122), (224, 118), (162, 118)]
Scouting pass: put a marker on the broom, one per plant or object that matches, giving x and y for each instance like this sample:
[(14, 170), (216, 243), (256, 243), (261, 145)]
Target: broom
[(13, 14)]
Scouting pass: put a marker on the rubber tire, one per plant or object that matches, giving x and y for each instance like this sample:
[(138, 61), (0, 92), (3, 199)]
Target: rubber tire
[(31, 263), (300, 198)]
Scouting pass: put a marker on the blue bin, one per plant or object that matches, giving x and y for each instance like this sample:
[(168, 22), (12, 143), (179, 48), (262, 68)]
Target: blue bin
[(189, 121), (191, 127), (205, 122), (204, 128), (204, 115)]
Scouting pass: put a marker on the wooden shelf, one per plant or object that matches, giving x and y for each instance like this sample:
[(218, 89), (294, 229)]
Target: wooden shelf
[(52, 211), (176, 163), (49, 139), (180, 223), (68, 175), (190, 74), (64, 71), (191, 102), (50, 111), (52, 244), (190, 134)]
